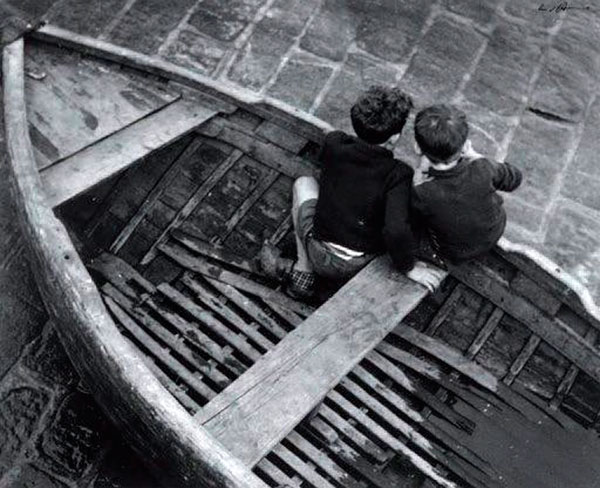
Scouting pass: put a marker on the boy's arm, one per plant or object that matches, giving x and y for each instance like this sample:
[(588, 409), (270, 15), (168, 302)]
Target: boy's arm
[(397, 232), (330, 137), (505, 176)]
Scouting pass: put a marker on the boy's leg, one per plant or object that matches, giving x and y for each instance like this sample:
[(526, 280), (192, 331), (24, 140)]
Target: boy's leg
[(305, 188)]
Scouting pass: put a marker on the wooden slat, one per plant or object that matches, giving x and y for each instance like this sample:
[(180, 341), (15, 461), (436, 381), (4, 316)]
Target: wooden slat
[(485, 332), (443, 312), (284, 227), (199, 265), (171, 340), (212, 250), (554, 332), (237, 341), (166, 180), (295, 376), (194, 201), (249, 307), (211, 301), (158, 352), (276, 474), (110, 156), (569, 378), (520, 361), (301, 467)]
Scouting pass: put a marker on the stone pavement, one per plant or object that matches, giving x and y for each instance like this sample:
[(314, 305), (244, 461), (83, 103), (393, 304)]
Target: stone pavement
[(526, 78)]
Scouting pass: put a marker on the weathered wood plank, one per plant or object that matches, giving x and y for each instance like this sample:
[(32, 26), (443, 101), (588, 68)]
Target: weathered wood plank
[(295, 376), (485, 332), (197, 197), (80, 101), (110, 156), (554, 332), (445, 310), (521, 360)]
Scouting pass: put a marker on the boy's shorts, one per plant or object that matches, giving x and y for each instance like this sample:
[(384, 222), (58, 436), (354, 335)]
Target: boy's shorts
[(324, 261)]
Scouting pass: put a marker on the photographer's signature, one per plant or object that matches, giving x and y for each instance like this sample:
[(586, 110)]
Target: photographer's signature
[(561, 7)]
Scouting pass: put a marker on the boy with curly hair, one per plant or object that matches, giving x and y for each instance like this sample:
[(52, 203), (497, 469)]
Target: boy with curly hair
[(360, 206)]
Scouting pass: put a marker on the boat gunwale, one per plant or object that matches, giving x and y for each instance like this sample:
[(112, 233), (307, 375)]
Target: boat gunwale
[(83, 323)]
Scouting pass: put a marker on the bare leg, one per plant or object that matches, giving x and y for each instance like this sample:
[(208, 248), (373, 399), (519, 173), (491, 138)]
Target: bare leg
[(305, 188)]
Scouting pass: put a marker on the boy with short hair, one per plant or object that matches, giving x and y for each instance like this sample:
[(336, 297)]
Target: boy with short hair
[(360, 206), (455, 190)]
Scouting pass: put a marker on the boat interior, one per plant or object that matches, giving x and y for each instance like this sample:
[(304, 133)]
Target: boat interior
[(168, 193)]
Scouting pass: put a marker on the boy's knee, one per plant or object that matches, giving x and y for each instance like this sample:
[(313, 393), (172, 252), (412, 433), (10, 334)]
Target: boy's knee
[(306, 187)]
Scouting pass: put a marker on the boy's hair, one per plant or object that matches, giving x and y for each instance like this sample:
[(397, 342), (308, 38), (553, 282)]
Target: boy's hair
[(441, 131), (379, 113)]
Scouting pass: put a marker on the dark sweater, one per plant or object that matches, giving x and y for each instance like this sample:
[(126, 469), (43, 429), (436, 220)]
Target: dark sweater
[(462, 208), (363, 199)]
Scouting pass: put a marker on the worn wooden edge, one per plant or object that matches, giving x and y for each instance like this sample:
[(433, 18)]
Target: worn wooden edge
[(546, 264), (157, 425), (268, 107)]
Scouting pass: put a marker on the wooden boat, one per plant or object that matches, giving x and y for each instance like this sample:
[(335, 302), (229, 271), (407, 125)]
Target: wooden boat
[(144, 191)]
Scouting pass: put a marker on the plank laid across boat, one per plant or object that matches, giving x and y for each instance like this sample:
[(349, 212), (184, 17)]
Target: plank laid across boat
[(166, 183)]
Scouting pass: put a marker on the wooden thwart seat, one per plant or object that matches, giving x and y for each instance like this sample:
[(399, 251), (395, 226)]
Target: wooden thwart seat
[(107, 157), (260, 408)]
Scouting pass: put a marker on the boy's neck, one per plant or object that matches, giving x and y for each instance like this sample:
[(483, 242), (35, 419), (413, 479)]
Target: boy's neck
[(446, 166)]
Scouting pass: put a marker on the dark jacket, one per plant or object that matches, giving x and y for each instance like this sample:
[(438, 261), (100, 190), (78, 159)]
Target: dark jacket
[(461, 206), (364, 199)]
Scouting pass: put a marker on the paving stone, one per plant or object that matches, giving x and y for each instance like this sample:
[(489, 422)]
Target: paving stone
[(289, 16), (481, 11), (445, 54), (573, 240), (586, 157), (331, 30), (195, 51), (28, 476), (88, 18), (487, 129), (224, 20), (569, 77), (389, 29), (357, 75), (300, 81), (21, 408), (50, 361), (259, 59), (508, 61), (520, 212), (146, 25), (35, 8), (76, 437), (540, 150), (582, 188)]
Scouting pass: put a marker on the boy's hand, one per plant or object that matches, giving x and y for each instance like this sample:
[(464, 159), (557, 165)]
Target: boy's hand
[(426, 275)]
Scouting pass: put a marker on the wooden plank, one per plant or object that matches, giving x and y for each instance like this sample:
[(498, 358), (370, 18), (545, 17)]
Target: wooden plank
[(485, 332), (520, 361), (110, 156), (445, 310), (213, 251), (199, 265), (284, 227), (554, 332), (196, 198), (448, 355), (276, 474), (305, 471), (537, 295), (281, 136), (167, 179), (81, 101), (295, 376)]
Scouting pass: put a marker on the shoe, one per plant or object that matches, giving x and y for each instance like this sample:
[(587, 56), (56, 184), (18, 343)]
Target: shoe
[(272, 264), (301, 284)]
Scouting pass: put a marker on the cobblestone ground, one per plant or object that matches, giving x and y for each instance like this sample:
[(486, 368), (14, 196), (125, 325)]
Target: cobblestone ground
[(527, 79)]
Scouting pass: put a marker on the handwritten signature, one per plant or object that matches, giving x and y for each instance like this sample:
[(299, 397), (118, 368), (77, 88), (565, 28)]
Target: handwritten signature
[(561, 7)]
